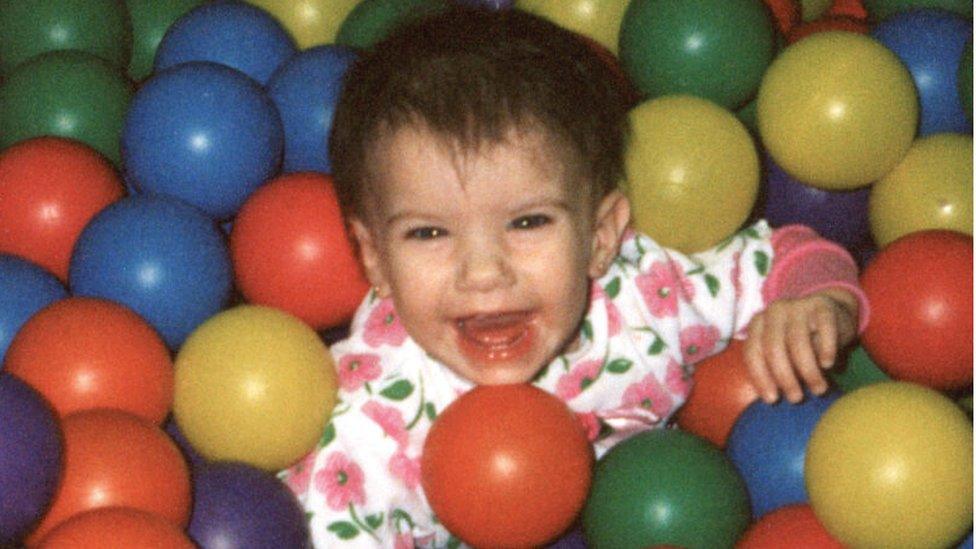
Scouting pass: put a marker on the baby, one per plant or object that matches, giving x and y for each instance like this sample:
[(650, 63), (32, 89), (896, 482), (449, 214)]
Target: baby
[(477, 157)]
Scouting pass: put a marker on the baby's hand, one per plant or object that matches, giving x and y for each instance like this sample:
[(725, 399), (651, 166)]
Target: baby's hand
[(797, 339)]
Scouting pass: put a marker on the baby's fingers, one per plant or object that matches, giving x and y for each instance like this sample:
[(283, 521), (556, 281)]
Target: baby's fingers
[(777, 354), (756, 363), (825, 329), (802, 352)]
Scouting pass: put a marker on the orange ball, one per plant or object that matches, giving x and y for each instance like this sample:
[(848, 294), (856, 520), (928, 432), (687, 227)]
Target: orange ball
[(116, 528), (506, 466), (828, 23), (290, 250), (83, 353), (50, 188), (116, 459), (793, 526), (720, 393)]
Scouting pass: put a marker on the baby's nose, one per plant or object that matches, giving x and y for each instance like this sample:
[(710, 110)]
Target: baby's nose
[(484, 266)]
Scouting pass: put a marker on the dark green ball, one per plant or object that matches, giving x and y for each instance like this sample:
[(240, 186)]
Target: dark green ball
[(858, 371), (665, 487), (150, 21), (372, 20), (965, 79), (883, 9)]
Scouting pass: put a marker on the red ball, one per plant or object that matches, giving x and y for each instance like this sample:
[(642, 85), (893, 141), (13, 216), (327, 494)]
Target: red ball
[(50, 188), (829, 23), (920, 288), (291, 250), (785, 14), (116, 528), (115, 459), (790, 526), (506, 466), (721, 391), (83, 353)]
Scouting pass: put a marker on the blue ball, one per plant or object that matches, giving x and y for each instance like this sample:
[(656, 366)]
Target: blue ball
[(160, 257), (768, 445), (931, 43), (235, 34), (30, 458), (25, 288), (204, 133), (306, 90), (237, 505), (967, 543)]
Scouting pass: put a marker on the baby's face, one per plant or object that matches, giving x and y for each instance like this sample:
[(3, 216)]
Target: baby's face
[(486, 255)]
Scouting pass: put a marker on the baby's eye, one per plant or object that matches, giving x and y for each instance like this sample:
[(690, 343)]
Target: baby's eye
[(425, 233), (530, 221)]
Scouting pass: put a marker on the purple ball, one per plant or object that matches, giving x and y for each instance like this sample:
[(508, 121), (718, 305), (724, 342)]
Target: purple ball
[(237, 506), (490, 4), (30, 458), (841, 216), (571, 540)]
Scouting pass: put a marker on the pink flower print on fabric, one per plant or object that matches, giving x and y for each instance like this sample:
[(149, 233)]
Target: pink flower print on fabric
[(662, 286), (405, 469), (614, 320), (676, 381), (649, 394), (389, 419), (590, 424), (697, 342), (299, 475), (403, 541), (356, 369), (578, 379), (341, 481), (383, 326), (736, 270)]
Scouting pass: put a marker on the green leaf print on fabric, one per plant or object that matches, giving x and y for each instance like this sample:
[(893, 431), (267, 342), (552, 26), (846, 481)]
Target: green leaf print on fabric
[(431, 411), (587, 329), (619, 365), (374, 521), (761, 261), (713, 284), (400, 390), (328, 436), (344, 529), (613, 288), (656, 347)]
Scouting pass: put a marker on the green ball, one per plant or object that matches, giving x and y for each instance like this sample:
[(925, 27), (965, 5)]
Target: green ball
[(858, 371), (964, 79), (371, 20), (69, 94), (665, 487), (882, 9), (150, 21), (28, 29), (715, 49)]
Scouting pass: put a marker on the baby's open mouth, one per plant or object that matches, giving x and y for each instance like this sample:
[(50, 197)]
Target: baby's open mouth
[(493, 337)]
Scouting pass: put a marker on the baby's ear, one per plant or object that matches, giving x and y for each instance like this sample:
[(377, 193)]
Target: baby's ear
[(371, 256), (612, 218)]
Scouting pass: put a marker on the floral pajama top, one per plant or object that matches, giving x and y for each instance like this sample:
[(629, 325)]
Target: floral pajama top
[(651, 317)]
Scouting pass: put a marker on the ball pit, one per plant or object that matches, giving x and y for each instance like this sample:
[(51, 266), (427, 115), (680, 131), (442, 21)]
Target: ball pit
[(116, 528), (150, 21), (310, 22), (598, 20), (25, 288)]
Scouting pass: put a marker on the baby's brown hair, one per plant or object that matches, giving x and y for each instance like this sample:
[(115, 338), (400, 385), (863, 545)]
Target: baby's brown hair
[(471, 76)]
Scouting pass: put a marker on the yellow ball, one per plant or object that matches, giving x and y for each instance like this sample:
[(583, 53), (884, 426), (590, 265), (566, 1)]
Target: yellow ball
[(837, 110), (311, 22), (692, 172), (891, 465), (254, 384), (931, 188), (597, 19)]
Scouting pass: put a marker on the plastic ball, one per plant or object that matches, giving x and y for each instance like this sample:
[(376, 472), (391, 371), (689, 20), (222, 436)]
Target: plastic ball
[(720, 391), (841, 216), (238, 506), (310, 22), (689, 159), (795, 525), (83, 353), (665, 487), (234, 34), (290, 250), (883, 9), (931, 188), (785, 14), (901, 452), (254, 384), (597, 19), (811, 10), (829, 23), (490, 4), (204, 133), (30, 458), (28, 29), (150, 21), (51, 188), (715, 49), (25, 288), (837, 110), (857, 371), (371, 20), (964, 80), (931, 44), (518, 480), (305, 91), (115, 459), (921, 292), (116, 528), (161, 258), (768, 444), (968, 542), (68, 94)]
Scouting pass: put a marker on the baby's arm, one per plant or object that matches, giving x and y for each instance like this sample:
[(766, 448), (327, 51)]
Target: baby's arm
[(814, 308)]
